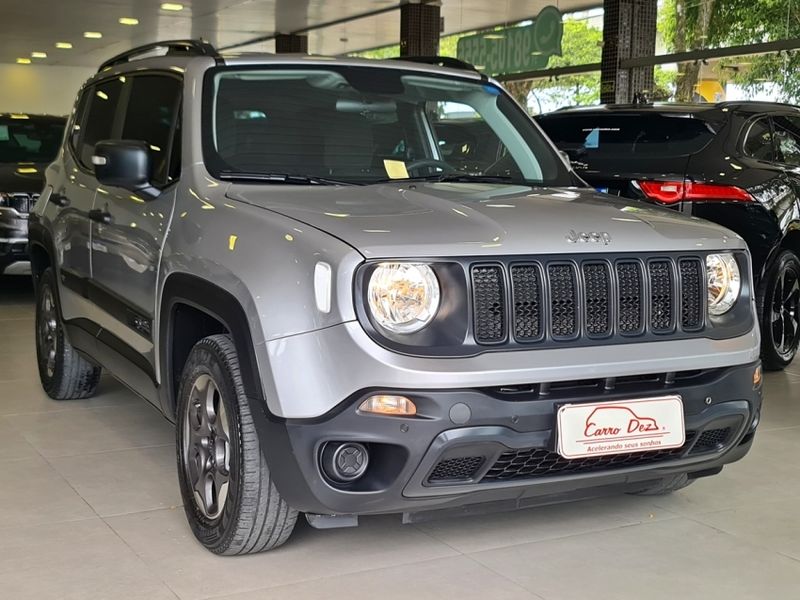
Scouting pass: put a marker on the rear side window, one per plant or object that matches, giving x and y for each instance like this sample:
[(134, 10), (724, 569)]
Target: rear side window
[(758, 142), (98, 125), (152, 117), (787, 138), (621, 135)]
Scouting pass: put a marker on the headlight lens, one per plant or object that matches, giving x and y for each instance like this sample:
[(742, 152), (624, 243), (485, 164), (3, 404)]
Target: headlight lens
[(403, 297), (724, 282)]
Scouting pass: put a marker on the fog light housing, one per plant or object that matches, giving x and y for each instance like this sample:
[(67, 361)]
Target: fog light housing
[(388, 405), (344, 462)]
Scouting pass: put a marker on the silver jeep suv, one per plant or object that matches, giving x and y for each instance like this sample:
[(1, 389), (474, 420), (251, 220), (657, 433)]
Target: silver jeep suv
[(367, 287)]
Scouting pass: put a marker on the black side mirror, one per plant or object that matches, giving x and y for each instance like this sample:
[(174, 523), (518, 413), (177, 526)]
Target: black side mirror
[(125, 164)]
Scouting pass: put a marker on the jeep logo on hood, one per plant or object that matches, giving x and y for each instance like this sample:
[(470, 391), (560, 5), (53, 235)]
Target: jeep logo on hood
[(588, 237)]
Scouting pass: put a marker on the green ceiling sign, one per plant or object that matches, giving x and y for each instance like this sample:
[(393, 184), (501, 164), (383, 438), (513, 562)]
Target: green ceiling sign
[(515, 49)]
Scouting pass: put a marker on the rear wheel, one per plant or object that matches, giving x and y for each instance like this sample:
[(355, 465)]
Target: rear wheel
[(229, 498), (65, 374), (779, 300)]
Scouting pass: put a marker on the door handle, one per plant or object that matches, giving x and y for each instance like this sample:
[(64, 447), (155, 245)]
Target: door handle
[(59, 199), (101, 216)]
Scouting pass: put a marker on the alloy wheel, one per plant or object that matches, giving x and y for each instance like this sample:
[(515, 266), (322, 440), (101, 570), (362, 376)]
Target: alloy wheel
[(785, 313), (47, 330), (206, 447)]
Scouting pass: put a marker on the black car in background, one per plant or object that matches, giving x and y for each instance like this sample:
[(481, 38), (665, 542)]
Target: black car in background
[(28, 143), (734, 163)]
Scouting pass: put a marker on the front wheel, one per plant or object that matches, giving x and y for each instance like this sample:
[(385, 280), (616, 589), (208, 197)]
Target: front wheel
[(779, 300), (229, 498)]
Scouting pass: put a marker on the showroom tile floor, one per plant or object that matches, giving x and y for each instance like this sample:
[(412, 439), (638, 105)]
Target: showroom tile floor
[(90, 509)]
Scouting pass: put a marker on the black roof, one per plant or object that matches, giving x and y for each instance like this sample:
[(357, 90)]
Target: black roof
[(680, 107)]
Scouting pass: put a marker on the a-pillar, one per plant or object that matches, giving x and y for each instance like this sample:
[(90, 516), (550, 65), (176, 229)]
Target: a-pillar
[(290, 43), (420, 28), (629, 31)]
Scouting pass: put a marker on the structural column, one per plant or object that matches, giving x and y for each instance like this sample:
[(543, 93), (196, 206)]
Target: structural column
[(420, 28), (289, 43), (629, 31)]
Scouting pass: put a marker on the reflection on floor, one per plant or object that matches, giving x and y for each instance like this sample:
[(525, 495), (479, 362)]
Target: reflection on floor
[(90, 509)]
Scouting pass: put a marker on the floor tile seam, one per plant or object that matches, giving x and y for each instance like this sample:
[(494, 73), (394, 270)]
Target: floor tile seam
[(491, 569), (140, 558), (111, 451)]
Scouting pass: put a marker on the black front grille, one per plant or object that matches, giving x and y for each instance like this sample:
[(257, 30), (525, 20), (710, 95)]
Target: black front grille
[(456, 469), (488, 299), (22, 203), (592, 299), (536, 462)]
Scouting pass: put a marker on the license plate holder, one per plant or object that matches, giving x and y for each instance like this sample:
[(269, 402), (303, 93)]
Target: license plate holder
[(620, 427)]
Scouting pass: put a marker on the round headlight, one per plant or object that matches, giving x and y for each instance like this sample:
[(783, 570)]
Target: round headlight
[(724, 282), (403, 297)]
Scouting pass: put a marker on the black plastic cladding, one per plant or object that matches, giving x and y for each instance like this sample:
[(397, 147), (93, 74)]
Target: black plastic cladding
[(527, 325)]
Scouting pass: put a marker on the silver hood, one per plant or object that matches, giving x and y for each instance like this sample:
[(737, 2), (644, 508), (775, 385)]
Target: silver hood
[(423, 219)]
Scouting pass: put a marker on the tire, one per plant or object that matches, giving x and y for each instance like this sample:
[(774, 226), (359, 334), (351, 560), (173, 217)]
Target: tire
[(666, 486), (65, 374), (779, 301), (239, 511)]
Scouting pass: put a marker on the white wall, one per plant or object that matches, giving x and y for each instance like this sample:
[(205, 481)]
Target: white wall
[(40, 88)]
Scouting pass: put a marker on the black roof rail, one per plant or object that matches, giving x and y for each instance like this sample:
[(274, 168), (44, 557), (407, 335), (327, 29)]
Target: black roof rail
[(174, 48), (439, 61)]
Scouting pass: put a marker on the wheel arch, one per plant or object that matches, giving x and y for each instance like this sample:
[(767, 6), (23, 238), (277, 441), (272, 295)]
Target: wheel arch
[(193, 308)]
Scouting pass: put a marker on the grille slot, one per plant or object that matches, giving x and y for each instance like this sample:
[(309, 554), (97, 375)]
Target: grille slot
[(597, 305), (661, 304), (563, 301), (22, 203), (629, 282), (692, 293), (536, 462), (526, 285), (488, 300), (456, 469), (712, 439)]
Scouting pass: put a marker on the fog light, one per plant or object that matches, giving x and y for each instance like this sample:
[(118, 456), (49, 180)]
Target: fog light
[(757, 377), (395, 406), (344, 462)]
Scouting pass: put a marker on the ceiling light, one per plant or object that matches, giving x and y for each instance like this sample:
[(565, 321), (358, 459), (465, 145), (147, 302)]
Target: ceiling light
[(38, 54), (171, 6), (92, 35), (64, 45), (128, 21), (23, 61)]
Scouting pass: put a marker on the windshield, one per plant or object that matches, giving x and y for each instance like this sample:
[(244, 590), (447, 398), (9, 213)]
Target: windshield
[(24, 138), (366, 125)]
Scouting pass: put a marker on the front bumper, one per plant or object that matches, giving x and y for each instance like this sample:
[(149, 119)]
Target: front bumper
[(405, 472)]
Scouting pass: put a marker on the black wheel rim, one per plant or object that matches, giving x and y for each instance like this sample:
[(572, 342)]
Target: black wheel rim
[(47, 330), (207, 448), (785, 313)]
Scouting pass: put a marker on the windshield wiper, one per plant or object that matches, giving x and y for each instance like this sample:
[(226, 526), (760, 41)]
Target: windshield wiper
[(283, 178)]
